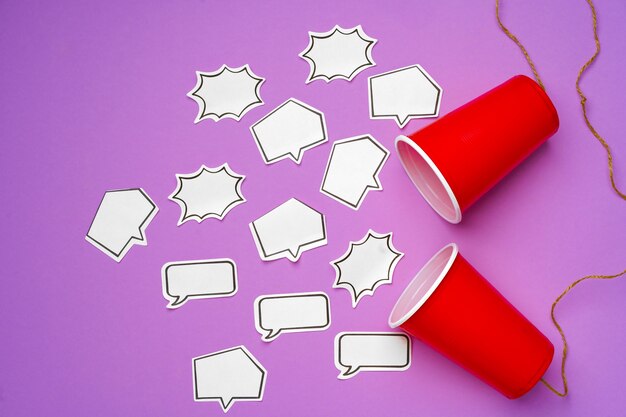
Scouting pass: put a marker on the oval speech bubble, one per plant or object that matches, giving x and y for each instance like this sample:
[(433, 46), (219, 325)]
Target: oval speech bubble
[(371, 351), (210, 278), (291, 313)]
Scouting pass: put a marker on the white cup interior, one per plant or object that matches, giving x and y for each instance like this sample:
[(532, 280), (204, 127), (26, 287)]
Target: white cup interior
[(423, 285), (428, 179)]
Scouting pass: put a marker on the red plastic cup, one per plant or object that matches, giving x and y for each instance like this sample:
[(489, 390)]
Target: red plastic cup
[(452, 308), (458, 158)]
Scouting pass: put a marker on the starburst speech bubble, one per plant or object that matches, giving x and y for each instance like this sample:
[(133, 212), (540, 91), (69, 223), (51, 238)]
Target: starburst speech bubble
[(338, 54), (226, 93)]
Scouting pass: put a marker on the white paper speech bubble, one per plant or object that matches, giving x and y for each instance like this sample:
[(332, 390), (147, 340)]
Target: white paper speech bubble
[(288, 230), (353, 168), (404, 94), (338, 54), (120, 221), (371, 351), (228, 376), (207, 193), (226, 93), (288, 131), (366, 265), (291, 313), (210, 278)]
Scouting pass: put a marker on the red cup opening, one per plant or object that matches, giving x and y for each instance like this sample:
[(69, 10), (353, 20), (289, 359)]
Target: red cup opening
[(429, 181), (423, 285)]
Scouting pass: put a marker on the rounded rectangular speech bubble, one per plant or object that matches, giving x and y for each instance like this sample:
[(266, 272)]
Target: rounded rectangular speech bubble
[(291, 313), (210, 278), (371, 351)]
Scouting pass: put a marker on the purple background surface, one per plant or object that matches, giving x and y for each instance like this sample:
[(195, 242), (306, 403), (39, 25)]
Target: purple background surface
[(93, 98)]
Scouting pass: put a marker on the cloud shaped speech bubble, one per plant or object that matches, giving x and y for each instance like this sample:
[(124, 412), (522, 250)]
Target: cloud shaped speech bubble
[(368, 264), (226, 93), (371, 351), (338, 54), (353, 168), (207, 193), (291, 313), (404, 94), (288, 230), (288, 131), (210, 278), (228, 376), (120, 221)]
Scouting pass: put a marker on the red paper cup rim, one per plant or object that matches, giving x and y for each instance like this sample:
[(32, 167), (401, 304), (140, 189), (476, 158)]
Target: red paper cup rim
[(437, 192), (423, 285)]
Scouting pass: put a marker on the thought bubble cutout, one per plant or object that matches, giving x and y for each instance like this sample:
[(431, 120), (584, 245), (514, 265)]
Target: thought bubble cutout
[(208, 193), (338, 54), (288, 230), (366, 265), (404, 94), (352, 170), (121, 221), (213, 377), (211, 278), (371, 351), (291, 313), (288, 131), (226, 93)]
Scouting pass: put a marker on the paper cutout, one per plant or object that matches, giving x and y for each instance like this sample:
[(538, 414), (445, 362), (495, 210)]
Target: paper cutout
[(371, 351), (338, 54), (207, 193), (353, 168), (186, 280), (291, 313), (404, 94), (228, 376), (121, 221), (226, 93), (288, 131), (368, 264), (288, 230)]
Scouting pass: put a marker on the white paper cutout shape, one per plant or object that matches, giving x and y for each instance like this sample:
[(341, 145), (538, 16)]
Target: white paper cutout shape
[(368, 264), (288, 230), (338, 54), (288, 131), (226, 93), (371, 351), (121, 221), (228, 376), (353, 168), (211, 278), (291, 313), (207, 193), (404, 94)]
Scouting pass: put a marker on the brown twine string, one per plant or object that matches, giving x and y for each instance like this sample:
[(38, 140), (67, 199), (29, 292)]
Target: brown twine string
[(605, 145)]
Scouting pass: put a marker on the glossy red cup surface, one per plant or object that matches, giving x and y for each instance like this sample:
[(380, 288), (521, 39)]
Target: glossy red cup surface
[(452, 308), (458, 158)]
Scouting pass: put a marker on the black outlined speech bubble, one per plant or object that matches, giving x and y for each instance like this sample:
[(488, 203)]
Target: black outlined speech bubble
[(288, 230), (353, 168), (404, 94), (226, 93), (366, 265), (371, 351), (291, 313), (186, 280), (228, 376), (121, 221)]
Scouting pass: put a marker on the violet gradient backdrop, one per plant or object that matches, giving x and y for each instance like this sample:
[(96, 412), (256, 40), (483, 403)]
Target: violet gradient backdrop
[(93, 98)]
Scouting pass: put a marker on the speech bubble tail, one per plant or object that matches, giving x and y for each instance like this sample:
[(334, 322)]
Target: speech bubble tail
[(271, 335), (349, 373), (177, 302), (226, 403), (402, 119)]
